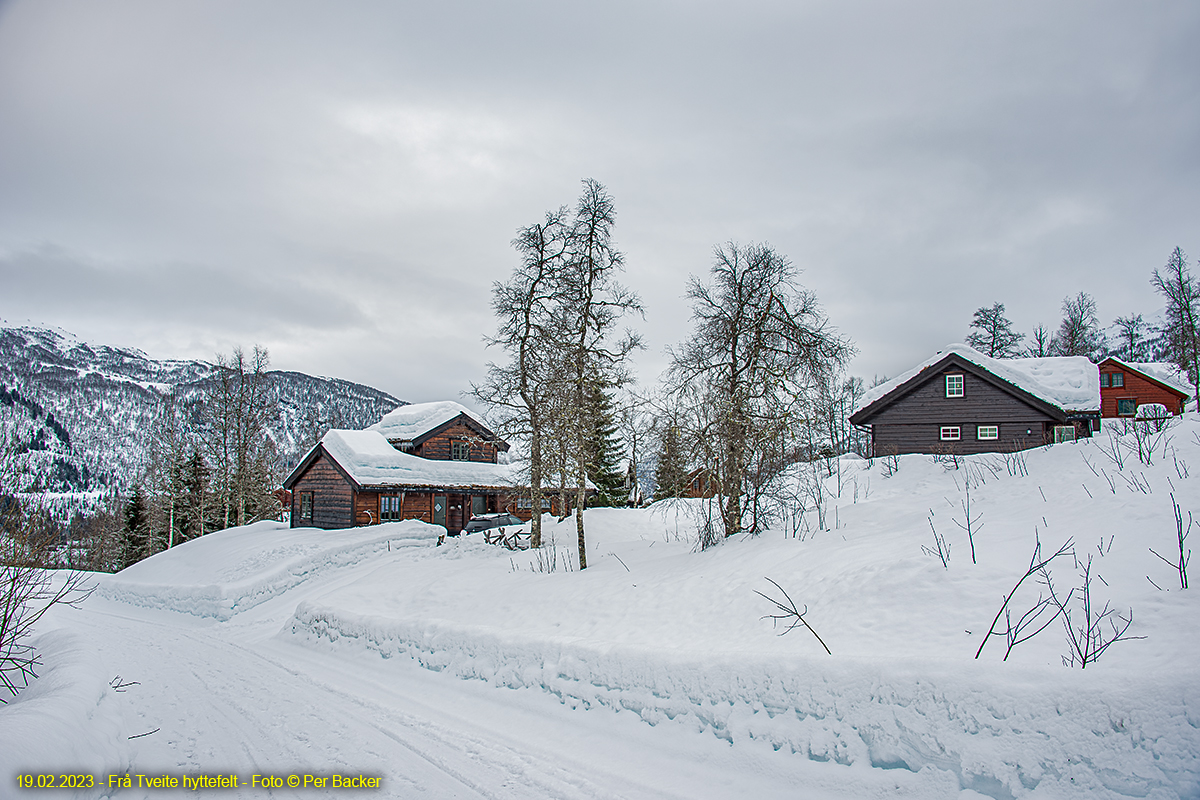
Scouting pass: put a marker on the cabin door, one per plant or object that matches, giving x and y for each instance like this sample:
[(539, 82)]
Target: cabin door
[(439, 509)]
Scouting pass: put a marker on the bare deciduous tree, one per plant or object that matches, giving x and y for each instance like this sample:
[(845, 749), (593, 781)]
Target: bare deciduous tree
[(759, 349), (1181, 328), (1079, 332), (557, 314), (1131, 339), (234, 419), (1039, 342), (994, 335)]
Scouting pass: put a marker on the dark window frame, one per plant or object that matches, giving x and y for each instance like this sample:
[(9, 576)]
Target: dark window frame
[(306, 505), (389, 508), (1124, 403), (460, 450)]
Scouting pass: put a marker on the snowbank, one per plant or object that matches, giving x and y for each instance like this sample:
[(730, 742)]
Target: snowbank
[(1002, 734), (68, 720), (227, 572)]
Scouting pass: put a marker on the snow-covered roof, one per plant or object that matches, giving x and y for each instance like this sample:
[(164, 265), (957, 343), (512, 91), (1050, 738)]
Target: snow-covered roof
[(371, 460), (1071, 383), (1161, 371), (412, 421)]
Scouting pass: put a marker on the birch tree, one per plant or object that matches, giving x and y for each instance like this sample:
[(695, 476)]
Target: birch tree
[(235, 416), (594, 303), (759, 347), (994, 335), (521, 392), (1181, 325)]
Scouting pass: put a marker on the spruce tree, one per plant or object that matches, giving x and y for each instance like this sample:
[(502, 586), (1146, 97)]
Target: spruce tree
[(192, 506), (670, 475), (135, 536), (604, 447)]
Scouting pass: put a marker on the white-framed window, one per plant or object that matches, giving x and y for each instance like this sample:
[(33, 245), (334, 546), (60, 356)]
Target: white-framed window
[(951, 433), (1064, 433), (954, 386), (987, 432)]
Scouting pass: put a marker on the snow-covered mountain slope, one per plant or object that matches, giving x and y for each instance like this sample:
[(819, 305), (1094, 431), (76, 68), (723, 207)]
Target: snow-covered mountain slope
[(657, 672), (82, 413)]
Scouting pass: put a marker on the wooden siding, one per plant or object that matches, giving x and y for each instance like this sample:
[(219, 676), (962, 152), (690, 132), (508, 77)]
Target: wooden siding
[(913, 423), (926, 438), (1136, 388), (333, 496), (437, 447)]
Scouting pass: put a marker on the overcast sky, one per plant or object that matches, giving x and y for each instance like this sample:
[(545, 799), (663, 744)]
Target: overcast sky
[(340, 182)]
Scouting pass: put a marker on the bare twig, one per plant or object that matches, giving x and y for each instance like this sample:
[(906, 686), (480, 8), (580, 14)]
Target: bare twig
[(1037, 565), (789, 612)]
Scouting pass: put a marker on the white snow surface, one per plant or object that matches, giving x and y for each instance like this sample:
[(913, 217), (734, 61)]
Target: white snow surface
[(372, 461), (466, 670), (1070, 382), (408, 422)]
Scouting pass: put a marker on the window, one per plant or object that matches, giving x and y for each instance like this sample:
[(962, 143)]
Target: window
[(1118, 379), (526, 502), (954, 386), (951, 433), (460, 451), (984, 432), (389, 508), (1127, 406), (1064, 433), (306, 504), (1103, 380)]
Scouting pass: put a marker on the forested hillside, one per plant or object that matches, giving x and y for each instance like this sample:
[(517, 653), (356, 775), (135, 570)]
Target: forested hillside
[(81, 416)]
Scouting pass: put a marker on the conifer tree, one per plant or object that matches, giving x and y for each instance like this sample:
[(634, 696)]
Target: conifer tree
[(192, 505), (135, 536), (604, 447), (670, 475)]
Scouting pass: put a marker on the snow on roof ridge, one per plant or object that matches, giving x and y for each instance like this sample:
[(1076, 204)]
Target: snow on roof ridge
[(1071, 383), (407, 422), (371, 460)]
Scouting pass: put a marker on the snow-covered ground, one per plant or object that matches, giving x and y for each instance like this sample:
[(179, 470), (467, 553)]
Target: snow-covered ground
[(467, 670)]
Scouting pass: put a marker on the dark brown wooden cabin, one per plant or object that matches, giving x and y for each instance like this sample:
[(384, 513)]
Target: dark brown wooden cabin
[(955, 406), (1123, 387), (325, 495)]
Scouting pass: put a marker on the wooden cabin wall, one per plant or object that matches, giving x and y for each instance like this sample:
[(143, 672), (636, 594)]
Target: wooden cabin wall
[(913, 423), (437, 447), (1138, 389), (332, 496)]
